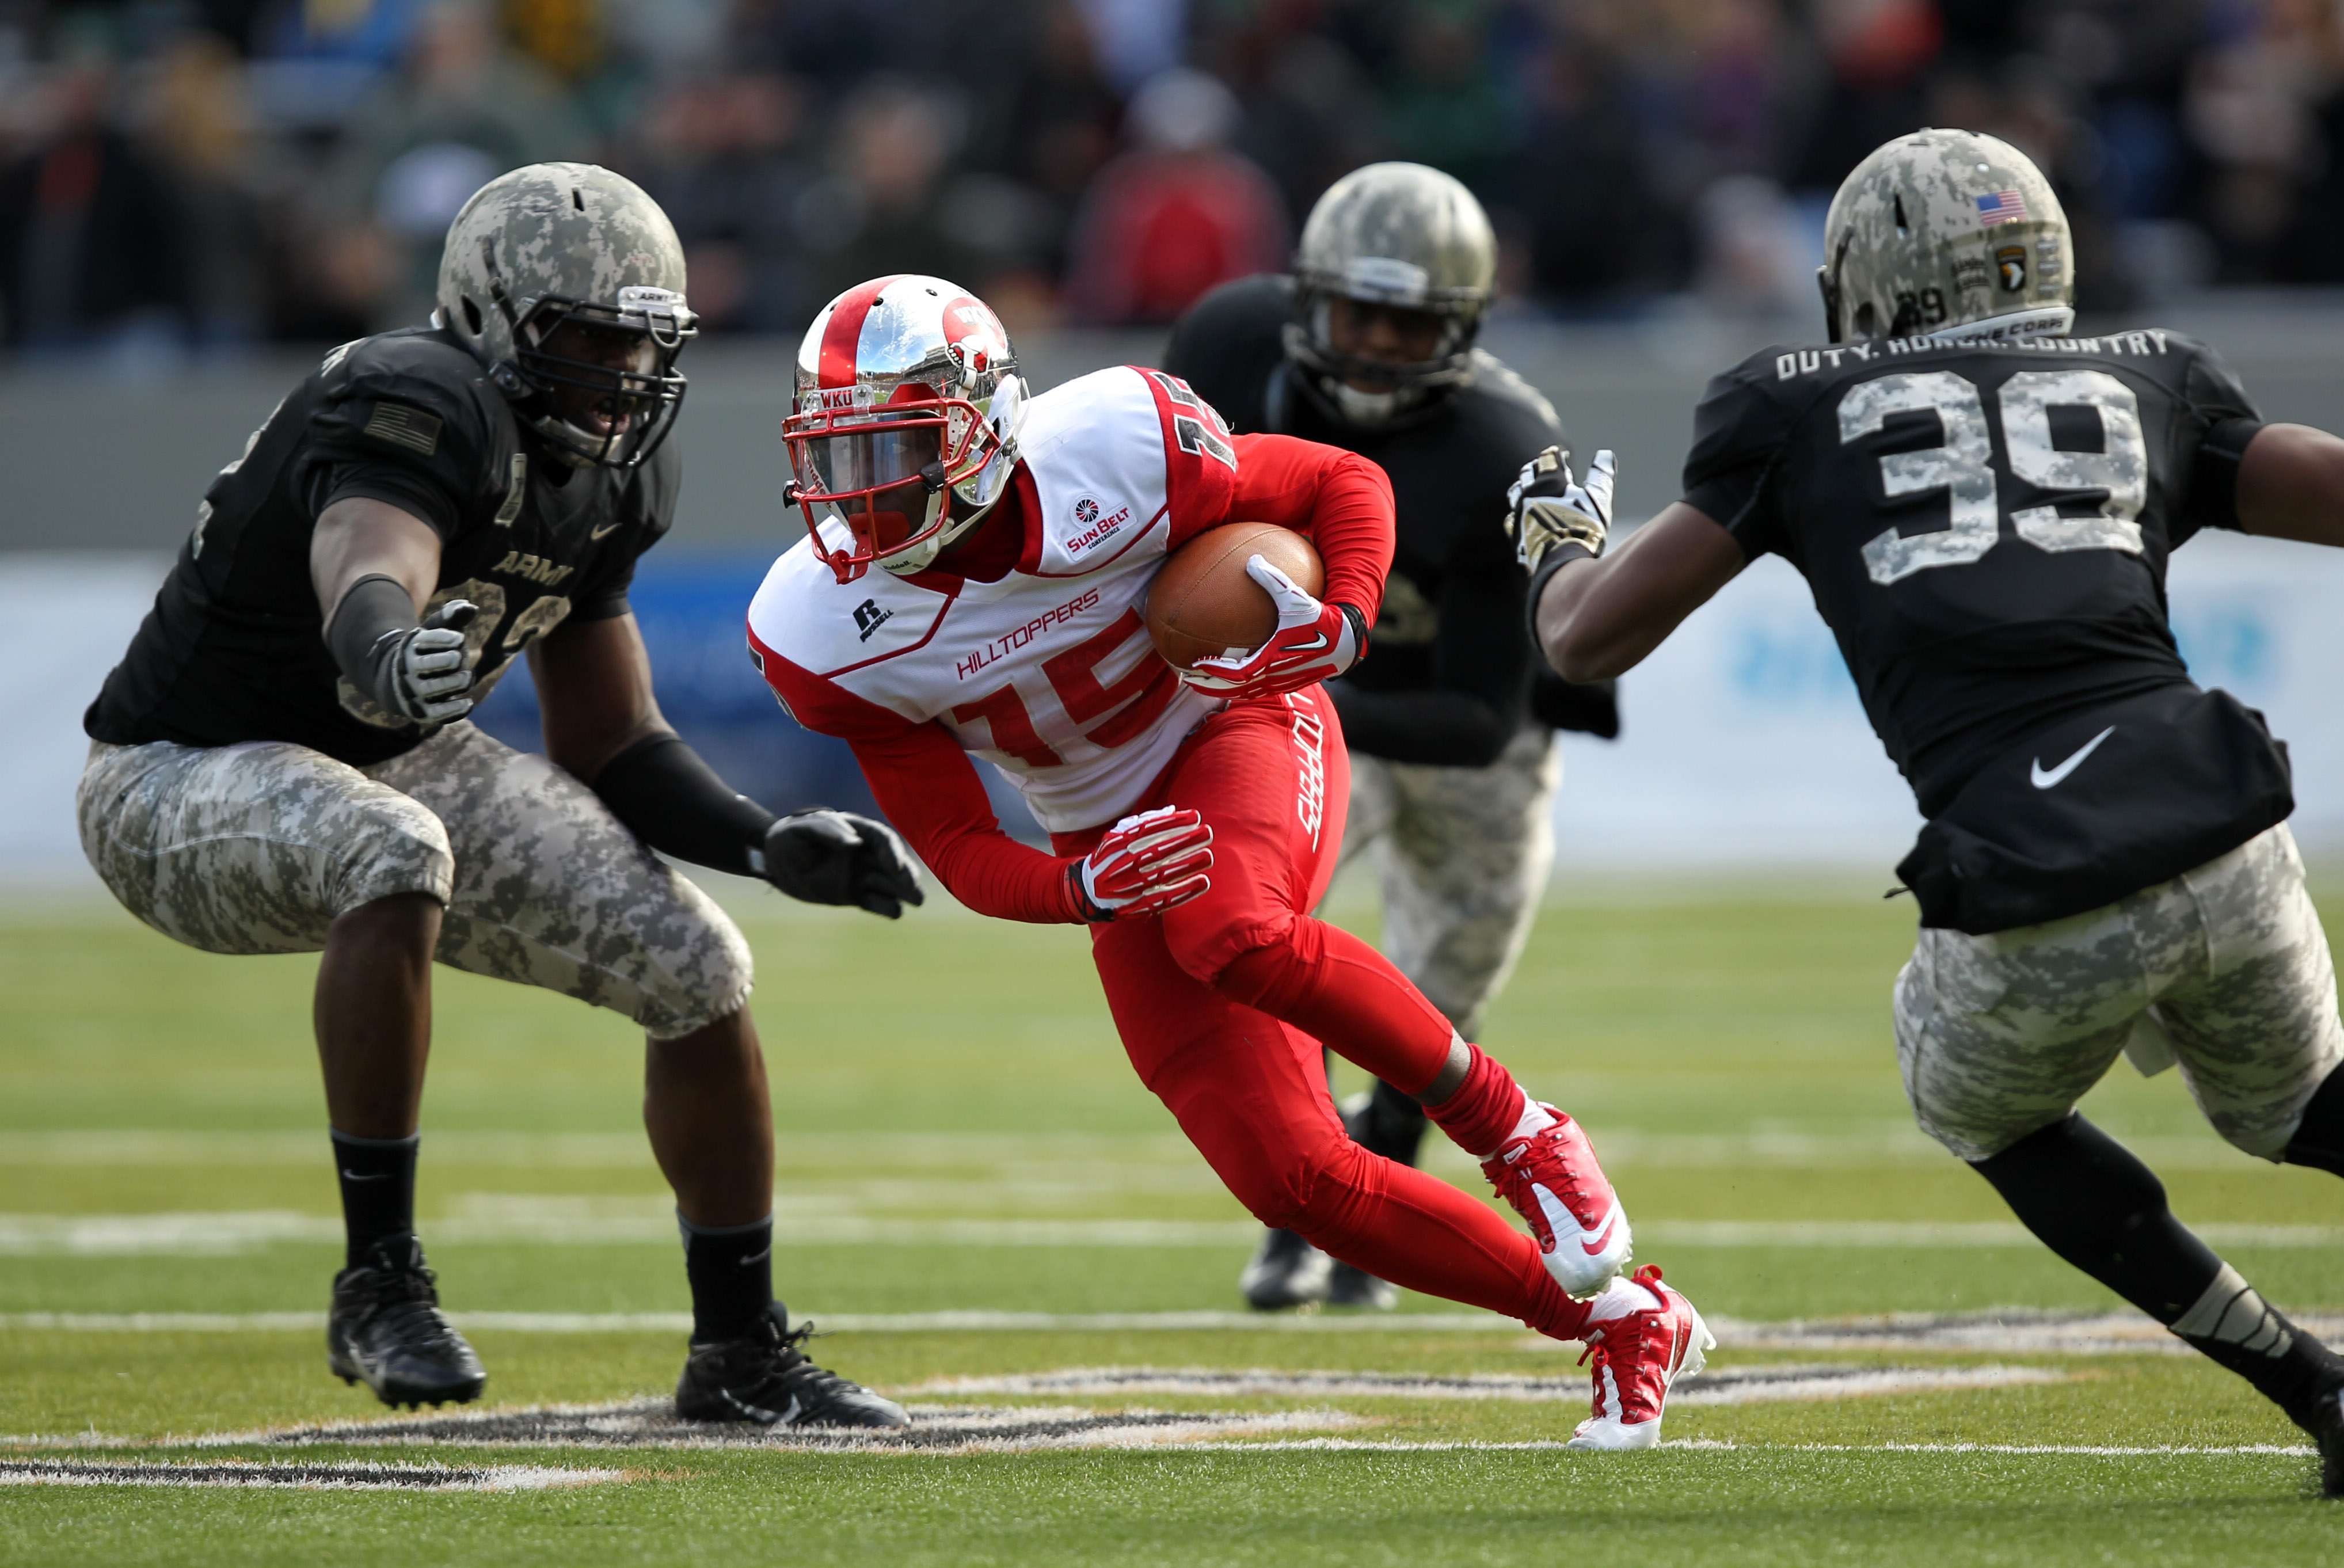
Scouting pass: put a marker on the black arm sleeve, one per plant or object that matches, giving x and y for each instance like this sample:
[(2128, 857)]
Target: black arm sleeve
[(1480, 682), (673, 800), (371, 607)]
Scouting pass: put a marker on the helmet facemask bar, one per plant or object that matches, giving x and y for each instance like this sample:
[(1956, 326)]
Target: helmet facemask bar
[(912, 453)]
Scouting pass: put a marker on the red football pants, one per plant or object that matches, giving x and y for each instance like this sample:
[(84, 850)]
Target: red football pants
[(1250, 1090)]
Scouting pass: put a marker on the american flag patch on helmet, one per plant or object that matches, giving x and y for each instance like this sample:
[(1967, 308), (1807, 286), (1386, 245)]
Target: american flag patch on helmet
[(2002, 207)]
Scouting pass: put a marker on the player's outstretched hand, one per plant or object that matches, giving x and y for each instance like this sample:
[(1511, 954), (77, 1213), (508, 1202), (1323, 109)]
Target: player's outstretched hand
[(825, 856), (1145, 864), (1546, 507), (1313, 642), (418, 673)]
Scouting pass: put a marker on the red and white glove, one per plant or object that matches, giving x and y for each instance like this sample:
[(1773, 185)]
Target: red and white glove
[(1145, 864), (1313, 642)]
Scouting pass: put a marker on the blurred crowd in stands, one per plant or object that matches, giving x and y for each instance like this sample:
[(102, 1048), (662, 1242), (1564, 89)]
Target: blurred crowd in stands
[(194, 175)]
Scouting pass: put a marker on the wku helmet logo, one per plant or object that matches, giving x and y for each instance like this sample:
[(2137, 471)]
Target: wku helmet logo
[(973, 336)]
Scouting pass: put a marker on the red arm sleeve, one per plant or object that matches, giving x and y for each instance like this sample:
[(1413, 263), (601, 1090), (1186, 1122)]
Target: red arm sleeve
[(1338, 500), (929, 788)]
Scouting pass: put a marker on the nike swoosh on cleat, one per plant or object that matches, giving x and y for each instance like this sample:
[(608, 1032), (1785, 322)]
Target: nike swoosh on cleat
[(1562, 1222), (1602, 1238), (2042, 779), (762, 1416)]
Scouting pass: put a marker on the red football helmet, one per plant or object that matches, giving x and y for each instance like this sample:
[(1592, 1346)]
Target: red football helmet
[(907, 396)]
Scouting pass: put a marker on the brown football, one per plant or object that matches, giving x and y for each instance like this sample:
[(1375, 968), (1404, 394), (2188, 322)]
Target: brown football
[(1202, 605)]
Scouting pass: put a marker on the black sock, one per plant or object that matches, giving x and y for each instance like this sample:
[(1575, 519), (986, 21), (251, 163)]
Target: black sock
[(2319, 1140), (730, 1267), (378, 1177), (1391, 1124), (2090, 1199)]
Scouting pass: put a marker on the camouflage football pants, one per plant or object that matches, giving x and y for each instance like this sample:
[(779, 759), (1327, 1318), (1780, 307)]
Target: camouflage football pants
[(258, 847), (2226, 966), (1463, 854)]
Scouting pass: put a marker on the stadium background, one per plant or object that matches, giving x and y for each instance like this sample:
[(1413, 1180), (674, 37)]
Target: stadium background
[(197, 195)]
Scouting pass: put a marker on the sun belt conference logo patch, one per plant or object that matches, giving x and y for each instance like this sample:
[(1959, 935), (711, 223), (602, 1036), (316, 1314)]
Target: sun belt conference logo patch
[(1086, 511)]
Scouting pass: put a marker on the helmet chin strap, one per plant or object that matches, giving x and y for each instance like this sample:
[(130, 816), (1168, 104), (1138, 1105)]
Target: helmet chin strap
[(921, 556)]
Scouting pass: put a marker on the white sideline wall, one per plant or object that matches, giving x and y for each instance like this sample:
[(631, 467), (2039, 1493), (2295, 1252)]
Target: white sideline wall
[(1744, 747)]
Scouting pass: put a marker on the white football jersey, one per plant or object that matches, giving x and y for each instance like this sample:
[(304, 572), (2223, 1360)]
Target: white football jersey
[(1048, 674)]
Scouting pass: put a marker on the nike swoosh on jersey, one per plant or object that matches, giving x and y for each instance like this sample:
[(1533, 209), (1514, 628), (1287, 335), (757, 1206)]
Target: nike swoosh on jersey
[(607, 530), (2042, 778)]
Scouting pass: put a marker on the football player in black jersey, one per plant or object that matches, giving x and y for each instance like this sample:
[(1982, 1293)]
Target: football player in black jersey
[(1982, 505), (1369, 346), (281, 761)]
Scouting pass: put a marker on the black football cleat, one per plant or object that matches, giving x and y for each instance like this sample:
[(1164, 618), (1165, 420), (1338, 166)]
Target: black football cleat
[(387, 1331), (2327, 1428), (765, 1378), (1350, 1287), (1284, 1271)]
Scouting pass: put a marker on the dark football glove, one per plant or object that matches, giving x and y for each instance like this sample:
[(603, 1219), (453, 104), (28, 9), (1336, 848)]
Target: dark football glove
[(1546, 507), (825, 856)]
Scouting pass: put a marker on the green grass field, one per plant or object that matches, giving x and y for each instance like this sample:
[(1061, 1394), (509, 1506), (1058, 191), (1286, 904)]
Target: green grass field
[(959, 1133)]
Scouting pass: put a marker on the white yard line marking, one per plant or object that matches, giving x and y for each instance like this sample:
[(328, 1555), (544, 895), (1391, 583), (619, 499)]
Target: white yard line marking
[(219, 1234), (551, 1224), (2008, 1331), (2012, 1330), (307, 1477), (1730, 1386), (1870, 1235)]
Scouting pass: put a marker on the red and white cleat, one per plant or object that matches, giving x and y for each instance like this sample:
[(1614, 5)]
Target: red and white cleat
[(1638, 1356), (1552, 1181)]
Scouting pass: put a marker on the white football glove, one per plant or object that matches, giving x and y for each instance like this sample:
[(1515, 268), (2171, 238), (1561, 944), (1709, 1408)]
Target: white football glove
[(1547, 507)]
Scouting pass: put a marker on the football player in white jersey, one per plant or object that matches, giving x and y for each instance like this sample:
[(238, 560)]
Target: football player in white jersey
[(1195, 818)]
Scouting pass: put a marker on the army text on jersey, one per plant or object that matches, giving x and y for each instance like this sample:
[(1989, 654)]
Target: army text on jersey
[(233, 650)]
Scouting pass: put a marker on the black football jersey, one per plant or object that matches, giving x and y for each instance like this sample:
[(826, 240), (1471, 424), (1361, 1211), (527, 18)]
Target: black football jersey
[(1984, 526), (1449, 672), (234, 648)]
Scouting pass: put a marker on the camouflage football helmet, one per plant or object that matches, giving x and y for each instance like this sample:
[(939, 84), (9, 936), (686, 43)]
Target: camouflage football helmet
[(557, 243), (1399, 234), (1948, 234)]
